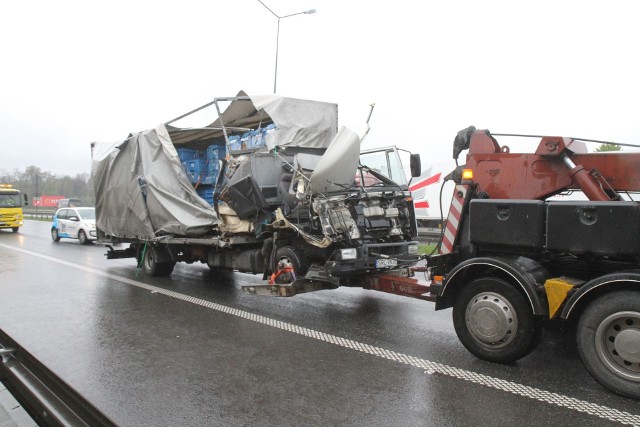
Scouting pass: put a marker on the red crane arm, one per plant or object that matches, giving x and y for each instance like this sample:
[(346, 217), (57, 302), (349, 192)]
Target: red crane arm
[(559, 164)]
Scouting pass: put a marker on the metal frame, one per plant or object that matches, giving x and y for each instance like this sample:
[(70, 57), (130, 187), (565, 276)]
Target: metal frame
[(222, 126)]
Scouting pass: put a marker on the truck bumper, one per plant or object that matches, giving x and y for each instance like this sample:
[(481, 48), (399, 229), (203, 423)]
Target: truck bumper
[(10, 222), (372, 258)]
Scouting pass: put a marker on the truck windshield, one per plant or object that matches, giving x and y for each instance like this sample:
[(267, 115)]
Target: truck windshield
[(386, 162), (9, 200)]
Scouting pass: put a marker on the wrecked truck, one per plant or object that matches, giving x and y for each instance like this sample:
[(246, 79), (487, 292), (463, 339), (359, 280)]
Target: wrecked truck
[(281, 192)]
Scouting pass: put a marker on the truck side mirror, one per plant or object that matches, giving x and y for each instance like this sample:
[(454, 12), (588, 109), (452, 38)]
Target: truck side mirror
[(26, 199), (415, 165)]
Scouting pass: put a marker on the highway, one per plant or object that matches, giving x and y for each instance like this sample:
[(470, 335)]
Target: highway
[(193, 350)]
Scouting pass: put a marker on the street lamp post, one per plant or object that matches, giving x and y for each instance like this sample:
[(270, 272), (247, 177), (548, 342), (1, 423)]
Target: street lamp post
[(37, 192), (306, 12)]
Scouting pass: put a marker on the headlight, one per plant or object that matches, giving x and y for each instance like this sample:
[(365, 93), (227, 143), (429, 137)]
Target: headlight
[(412, 249), (18, 217), (350, 253)]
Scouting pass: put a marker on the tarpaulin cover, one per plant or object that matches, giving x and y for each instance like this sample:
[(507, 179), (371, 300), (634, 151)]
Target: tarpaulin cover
[(301, 123), (142, 191)]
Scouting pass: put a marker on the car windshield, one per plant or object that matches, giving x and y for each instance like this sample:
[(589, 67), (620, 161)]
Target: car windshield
[(87, 213)]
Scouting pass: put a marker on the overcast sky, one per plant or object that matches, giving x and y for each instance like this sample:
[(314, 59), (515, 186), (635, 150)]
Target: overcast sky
[(73, 72)]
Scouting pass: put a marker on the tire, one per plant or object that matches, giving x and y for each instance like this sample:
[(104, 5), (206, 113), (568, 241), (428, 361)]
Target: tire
[(494, 321), (152, 267), (15, 229), (82, 237), (54, 235), (286, 256), (609, 341), (166, 268)]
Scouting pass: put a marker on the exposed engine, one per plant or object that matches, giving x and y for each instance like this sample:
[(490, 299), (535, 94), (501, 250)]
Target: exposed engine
[(379, 217)]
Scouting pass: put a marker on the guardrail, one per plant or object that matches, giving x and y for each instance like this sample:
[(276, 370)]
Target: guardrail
[(429, 235), (46, 397), (40, 215)]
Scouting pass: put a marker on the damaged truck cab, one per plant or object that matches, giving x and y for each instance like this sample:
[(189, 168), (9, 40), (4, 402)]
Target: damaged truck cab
[(271, 187)]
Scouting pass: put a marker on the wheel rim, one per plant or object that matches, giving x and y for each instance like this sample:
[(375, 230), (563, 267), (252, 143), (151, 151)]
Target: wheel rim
[(491, 320), (618, 344), (149, 260), (82, 237)]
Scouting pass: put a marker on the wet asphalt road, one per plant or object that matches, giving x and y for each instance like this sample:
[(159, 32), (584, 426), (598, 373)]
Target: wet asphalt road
[(193, 350)]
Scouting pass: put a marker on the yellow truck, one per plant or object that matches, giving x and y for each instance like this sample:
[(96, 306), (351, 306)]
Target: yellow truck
[(11, 202)]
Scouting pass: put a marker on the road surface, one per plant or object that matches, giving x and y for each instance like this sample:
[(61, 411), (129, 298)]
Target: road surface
[(193, 350)]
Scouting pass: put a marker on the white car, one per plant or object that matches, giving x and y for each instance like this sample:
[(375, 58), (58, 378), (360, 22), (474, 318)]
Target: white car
[(74, 223)]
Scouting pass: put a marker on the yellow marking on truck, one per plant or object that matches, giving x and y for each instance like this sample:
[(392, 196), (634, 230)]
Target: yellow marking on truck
[(557, 290)]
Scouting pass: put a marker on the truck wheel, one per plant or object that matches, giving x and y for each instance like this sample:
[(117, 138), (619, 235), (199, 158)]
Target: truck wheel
[(152, 267), (166, 268), (15, 229), (609, 341), (289, 259), (54, 235), (494, 321)]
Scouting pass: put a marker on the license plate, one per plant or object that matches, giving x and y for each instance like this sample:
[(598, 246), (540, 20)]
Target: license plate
[(386, 263)]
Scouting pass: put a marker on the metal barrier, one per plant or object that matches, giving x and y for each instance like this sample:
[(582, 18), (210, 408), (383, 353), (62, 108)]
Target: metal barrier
[(46, 397), (38, 214)]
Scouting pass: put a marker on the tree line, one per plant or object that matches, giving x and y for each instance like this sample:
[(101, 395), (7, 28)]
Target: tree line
[(36, 182)]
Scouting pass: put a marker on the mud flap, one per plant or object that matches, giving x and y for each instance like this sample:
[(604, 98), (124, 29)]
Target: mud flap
[(120, 253)]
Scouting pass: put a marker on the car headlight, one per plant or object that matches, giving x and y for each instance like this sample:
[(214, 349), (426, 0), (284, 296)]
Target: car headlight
[(412, 249), (345, 254)]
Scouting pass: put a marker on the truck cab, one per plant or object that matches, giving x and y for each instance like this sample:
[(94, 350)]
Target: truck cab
[(11, 203)]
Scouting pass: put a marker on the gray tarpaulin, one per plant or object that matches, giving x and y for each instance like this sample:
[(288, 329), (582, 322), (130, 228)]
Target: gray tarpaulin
[(300, 123), (142, 190)]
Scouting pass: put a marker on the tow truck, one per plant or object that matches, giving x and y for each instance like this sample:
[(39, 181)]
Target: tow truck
[(513, 256), (510, 257)]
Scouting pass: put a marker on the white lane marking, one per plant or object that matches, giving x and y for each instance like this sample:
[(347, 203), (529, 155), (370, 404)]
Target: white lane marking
[(426, 365)]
